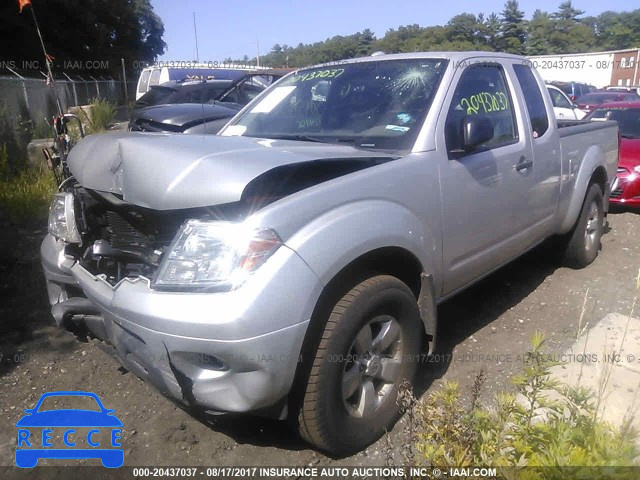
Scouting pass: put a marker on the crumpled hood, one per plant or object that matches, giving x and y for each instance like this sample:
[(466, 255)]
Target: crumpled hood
[(183, 113), (175, 171)]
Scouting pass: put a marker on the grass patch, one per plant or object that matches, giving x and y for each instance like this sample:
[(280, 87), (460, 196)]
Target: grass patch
[(102, 115), (529, 428), (25, 194)]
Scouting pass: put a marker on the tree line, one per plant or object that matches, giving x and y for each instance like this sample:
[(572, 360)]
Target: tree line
[(566, 30), (82, 34)]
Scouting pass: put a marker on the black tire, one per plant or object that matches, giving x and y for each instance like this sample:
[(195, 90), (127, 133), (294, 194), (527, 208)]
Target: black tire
[(325, 418), (583, 242)]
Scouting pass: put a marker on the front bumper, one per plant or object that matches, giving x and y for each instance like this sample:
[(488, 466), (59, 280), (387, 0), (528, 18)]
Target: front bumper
[(226, 352)]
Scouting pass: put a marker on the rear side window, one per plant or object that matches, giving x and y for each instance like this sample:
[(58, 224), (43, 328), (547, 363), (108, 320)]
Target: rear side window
[(534, 100), (155, 78), (558, 99), (482, 90), (144, 81)]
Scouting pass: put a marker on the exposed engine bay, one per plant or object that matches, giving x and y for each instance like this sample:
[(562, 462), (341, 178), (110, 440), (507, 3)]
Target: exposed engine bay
[(120, 239), (123, 240)]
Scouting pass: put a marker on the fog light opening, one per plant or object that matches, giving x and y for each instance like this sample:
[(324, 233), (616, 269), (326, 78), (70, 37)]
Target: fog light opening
[(208, 362)]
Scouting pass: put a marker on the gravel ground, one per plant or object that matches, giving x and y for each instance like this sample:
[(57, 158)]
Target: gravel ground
[(496, 317)]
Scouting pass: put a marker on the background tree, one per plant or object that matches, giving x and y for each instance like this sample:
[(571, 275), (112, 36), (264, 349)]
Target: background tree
[(563, 31), (615, 30), (539, 31), (569, 34), (567, 12), (492, 31), (463, 32), (513, 31), (82, 30)]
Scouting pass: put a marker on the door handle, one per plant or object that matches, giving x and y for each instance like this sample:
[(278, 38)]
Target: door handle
[(523, 164)]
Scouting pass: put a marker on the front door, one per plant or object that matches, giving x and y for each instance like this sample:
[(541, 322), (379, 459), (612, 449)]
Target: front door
[(484, 190)]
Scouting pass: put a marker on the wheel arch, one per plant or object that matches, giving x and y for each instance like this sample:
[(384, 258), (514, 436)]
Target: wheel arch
[(591, 171), (395, 261)]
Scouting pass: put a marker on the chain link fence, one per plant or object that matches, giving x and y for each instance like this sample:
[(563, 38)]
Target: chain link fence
[(32, 99), (26, 104)]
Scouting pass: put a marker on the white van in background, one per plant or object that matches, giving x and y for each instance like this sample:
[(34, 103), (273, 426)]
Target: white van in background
[(158, 74)]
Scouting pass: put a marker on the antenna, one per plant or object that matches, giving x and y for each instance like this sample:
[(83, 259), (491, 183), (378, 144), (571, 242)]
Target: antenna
[(195, 33)]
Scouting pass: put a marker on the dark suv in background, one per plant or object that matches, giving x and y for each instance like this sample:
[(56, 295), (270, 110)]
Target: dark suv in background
[(574, 89), (201, 106)]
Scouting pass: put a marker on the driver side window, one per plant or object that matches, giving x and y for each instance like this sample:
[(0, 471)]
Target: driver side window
[(558, 99), (481, 91)]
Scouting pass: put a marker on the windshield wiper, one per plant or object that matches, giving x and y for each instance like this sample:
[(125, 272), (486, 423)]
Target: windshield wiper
[(299, 138), (355, 141)]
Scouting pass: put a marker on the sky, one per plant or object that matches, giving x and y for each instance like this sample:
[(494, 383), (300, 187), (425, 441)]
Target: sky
[(231, 28)]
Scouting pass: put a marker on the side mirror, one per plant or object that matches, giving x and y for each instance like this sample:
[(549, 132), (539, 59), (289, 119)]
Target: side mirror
[(476, 130)]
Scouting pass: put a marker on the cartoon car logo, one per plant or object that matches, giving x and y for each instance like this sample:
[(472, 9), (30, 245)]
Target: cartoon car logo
[(41, 420)]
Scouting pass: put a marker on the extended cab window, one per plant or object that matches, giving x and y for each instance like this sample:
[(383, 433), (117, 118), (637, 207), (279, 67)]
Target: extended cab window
[(482, 90), (534, 100), (557, 99), (144, 82), (155, 78)]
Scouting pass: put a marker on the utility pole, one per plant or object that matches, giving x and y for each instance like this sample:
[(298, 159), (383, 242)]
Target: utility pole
[(195, 33), (124, 82), (258, 57)]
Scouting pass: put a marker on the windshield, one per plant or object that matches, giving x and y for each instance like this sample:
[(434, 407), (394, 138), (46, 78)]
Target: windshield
[(599, 98), (565, 87), (628, 119), (66, 402), (199, 93), (373, 105)]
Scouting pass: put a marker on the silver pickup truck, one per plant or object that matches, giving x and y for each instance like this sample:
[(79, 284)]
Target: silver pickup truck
[(292, 264)]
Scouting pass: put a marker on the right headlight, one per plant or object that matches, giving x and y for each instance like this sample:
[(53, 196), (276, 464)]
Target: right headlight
[(62, 218), (208, 254)]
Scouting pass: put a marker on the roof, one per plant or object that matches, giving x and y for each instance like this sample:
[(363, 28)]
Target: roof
[(204, 66), (607, 52), (633, 104), (456, 57), (566, 82), (185, 83)]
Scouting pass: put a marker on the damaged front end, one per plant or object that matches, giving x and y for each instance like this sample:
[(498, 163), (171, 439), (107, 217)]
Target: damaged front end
[(115, 240), (203, 350), (195, 299)]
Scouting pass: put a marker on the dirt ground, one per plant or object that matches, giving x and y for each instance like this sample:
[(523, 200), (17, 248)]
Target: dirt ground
[(497, 316)]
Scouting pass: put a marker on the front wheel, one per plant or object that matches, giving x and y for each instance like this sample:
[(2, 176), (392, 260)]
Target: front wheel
[(368, 349), (583, 242)]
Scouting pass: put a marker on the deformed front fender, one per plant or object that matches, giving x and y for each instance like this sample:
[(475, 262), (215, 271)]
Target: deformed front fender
[(338, 237)]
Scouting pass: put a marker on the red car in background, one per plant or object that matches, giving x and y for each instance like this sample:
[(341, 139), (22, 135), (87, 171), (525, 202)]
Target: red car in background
[(626, 187), (593, 100)]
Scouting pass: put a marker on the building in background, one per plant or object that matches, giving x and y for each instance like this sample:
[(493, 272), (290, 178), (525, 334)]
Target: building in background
[(600, 69), (625, 68)]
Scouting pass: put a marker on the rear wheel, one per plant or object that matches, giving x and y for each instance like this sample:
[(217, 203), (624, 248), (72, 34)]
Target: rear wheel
[(367, 351), (583, 242)]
